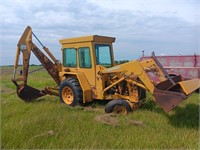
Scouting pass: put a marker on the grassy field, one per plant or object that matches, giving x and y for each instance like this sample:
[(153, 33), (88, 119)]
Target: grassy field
[(48, 124)]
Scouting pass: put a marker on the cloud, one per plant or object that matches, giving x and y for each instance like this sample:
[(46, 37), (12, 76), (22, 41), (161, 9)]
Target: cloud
[(137, 25)]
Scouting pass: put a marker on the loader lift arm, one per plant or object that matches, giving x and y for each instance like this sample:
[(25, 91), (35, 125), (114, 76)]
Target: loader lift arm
[(170, 91), (25, 46)]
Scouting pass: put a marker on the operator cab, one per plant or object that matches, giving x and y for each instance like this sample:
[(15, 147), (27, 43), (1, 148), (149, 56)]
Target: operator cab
[(84, 52)]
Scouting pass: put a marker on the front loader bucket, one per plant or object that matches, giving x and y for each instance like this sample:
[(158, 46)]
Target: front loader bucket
[(174, 95), (28, 93), (168, 99)]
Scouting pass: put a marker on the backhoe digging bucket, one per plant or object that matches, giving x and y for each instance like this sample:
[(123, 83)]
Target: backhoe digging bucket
[(168, 98), (27, 93)]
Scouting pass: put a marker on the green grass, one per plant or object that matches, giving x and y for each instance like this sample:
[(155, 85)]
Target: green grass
[(48, 124)]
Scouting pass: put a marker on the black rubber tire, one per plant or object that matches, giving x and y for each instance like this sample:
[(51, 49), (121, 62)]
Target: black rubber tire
[(74, 85), (118, 102)]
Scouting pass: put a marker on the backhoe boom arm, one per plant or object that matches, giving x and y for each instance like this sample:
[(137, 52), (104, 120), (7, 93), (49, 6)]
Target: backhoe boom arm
[(24, 47)]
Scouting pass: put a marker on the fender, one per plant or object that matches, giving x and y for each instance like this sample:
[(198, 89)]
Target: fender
[(86, 88)]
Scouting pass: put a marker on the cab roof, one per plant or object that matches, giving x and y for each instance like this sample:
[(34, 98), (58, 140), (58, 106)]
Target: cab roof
[(91, 38)]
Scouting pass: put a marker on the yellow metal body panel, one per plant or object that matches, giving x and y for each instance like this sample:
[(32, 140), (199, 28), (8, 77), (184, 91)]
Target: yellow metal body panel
[(98, 89), (87, 92), (151, 66), (92, 38), (190, 86)]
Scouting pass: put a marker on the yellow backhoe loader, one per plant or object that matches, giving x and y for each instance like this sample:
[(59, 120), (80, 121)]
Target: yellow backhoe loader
[(88, 73)]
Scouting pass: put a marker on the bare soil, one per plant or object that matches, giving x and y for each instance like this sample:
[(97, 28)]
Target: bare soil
[(107, 119)]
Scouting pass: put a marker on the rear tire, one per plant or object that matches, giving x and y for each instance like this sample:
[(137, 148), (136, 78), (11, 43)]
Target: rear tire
[(70, 92), (118, 106)]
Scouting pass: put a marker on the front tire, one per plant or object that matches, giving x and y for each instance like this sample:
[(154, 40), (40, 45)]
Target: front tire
[(70, 92), (118, 106)]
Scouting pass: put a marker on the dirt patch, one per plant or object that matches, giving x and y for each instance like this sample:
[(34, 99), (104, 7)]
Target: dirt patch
[(107, 119)]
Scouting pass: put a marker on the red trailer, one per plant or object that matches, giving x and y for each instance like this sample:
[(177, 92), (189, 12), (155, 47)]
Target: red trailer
[(188, 66)]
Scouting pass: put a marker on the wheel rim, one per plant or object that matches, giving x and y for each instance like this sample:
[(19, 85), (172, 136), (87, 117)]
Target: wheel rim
[(119, 109), (67, 95)]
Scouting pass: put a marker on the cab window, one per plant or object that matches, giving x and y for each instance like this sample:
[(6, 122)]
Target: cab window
[(103, 55), (69, 57), (84, 57)]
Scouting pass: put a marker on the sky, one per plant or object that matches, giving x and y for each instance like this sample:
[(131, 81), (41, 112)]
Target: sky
[(167, 27)]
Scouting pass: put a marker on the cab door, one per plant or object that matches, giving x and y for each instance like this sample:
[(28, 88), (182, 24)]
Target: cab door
[(86, 64)]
